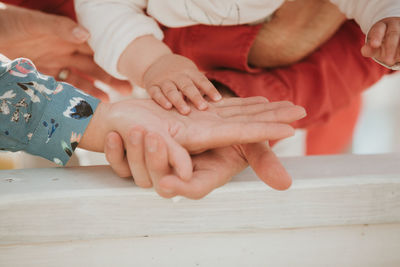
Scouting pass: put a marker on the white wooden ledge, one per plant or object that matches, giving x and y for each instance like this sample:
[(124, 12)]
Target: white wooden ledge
[(340, 211)]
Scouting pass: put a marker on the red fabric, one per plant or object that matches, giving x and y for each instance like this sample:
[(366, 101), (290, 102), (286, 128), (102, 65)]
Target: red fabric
[(324, 82), (336, 134), (213, 47), (328, 83), (59, 7)]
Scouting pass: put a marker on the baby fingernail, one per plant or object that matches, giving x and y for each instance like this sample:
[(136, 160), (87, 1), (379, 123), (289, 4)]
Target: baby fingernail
[(185, 109), (203, 105), (217, 97), (151, 144)]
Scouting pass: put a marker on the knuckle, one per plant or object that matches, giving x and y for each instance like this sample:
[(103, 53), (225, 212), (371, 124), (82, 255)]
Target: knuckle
[(187, 88), (168, 88), (393, 33), (207, 86)]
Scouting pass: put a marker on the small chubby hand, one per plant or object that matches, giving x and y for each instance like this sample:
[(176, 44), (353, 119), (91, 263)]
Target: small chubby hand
[(383, 43), (172, 78)]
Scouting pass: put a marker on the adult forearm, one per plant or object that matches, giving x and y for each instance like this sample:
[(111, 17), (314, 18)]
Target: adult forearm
[(296, 29), (327, 80)]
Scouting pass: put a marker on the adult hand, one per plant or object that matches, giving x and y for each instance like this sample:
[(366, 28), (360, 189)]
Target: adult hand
[(54, 43), (230, 121), (211, 170)]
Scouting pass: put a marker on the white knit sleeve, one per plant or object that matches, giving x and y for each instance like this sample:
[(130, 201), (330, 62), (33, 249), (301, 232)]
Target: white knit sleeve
[(113, 25), (367, 12)]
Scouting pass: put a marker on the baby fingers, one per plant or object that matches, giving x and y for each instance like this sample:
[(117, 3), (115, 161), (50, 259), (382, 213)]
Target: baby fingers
[(206, 86), (173, 95), (189, 89)]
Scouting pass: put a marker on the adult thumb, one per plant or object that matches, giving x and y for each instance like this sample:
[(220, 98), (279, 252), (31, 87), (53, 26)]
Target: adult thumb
[(63, 27), (267, 165)]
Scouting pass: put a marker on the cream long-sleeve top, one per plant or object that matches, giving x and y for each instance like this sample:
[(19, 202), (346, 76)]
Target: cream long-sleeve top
[(114, 24)]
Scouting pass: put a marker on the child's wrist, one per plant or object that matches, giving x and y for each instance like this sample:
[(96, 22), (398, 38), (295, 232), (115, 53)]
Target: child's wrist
[(139, 56)]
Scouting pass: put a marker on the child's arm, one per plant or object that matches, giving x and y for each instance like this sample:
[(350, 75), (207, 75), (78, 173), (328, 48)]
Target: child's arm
[(380, 20), (128, 45), (167, 77)]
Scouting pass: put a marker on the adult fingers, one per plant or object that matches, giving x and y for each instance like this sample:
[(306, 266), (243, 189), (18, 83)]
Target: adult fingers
[(89, 70), (84, 49), (135, 154), (179, 158), (189, 89), (239, 101), (156, 158), (376, 35), (60, 26), (114, 150), (283, 115), (201, 184), (266, 165), (391, 43), (79, 82), (251, 109), (228, 134), (212, 169)]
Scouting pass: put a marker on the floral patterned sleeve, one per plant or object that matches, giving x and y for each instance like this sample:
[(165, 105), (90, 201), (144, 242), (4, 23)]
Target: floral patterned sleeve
[(40, 115)]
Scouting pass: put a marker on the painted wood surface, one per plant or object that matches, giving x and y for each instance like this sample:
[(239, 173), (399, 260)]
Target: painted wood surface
[(344, 246), (88, 211)]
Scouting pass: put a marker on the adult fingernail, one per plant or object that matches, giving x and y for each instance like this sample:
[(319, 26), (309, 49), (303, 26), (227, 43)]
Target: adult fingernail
[(167, 190), (135, 137), (111, 143), (151, 143), (80, 33)]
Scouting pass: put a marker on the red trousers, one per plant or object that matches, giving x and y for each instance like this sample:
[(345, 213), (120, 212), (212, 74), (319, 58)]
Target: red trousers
[(328, 83)]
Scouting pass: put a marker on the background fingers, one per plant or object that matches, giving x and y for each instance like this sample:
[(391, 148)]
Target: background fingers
[(115, 155)]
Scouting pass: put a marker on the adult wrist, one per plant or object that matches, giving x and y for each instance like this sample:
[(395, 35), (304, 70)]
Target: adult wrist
[(93, 138)]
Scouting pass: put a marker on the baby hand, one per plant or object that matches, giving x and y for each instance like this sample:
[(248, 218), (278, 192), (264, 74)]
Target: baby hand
[(383, 43), (172, 77)]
